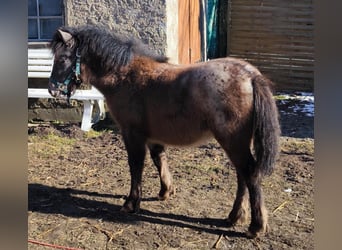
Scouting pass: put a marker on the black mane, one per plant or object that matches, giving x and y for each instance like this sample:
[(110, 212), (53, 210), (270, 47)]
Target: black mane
[(103, 50)]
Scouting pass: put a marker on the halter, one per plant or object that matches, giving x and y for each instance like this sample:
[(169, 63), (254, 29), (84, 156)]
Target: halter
[(76, 72)]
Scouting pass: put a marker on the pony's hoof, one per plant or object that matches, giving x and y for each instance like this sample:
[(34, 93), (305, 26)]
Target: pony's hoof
[(126, 210), (164, 195), (230, 222), (236, 220), (252, 234), (128, 207)]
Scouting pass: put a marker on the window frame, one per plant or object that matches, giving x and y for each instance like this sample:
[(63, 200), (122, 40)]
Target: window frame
[(38, 19)]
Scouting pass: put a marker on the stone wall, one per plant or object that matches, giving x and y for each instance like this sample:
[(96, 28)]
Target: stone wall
[(145, 20)]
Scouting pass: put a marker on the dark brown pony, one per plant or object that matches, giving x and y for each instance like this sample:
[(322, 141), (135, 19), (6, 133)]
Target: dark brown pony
[(156, 103)]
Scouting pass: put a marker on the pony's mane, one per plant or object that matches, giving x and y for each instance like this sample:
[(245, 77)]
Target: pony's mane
[(109, 50)]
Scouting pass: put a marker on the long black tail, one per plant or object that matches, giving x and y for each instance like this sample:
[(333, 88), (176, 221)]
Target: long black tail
[(266, 126)]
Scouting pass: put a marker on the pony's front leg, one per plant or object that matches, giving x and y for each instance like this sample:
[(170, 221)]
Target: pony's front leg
[(158, 156), (135, 146)]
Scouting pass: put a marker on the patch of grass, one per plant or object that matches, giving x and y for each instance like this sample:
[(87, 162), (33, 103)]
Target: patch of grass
[(52, 139), (298, 146), (56, 122), (280, 97), (93, 133), (50, 145)]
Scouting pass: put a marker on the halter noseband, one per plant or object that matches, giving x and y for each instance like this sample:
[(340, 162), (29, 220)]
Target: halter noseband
[(76, 72)]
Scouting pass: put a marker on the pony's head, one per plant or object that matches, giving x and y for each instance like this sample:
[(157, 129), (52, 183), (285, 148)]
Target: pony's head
[(66, 71), (103, 52)]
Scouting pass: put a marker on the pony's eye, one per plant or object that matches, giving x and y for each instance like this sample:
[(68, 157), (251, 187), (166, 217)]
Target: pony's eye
[(62, 59)]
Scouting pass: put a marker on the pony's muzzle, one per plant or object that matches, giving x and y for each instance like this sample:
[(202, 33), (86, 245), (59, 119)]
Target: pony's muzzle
[(53, 91)]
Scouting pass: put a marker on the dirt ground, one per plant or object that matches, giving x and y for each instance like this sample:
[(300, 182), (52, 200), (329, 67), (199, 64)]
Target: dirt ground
[(78, 181)]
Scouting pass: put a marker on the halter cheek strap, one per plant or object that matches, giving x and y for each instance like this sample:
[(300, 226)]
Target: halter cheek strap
[(76, 72), (78, 67)]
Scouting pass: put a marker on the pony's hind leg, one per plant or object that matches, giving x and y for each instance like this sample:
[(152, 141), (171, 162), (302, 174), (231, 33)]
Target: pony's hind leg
[(246, 169), (238, 150), (239, 211), (258, 224), (158, 156)]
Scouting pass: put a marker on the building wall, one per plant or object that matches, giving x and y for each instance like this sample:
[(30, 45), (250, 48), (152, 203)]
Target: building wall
[(146, 20)]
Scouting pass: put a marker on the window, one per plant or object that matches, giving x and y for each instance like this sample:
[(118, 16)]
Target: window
[(44, 17)]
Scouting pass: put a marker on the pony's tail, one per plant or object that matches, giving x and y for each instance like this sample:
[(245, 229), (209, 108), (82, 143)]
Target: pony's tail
[(266, 125)]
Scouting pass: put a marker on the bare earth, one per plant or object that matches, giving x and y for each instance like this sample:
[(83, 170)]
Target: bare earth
[(78, 181)]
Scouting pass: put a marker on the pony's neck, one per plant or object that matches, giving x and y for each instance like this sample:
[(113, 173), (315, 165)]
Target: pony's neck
[(139, 71), (142, 65)]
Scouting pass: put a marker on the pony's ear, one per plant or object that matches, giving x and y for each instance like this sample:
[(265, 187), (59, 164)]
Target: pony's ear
[(68, 39)]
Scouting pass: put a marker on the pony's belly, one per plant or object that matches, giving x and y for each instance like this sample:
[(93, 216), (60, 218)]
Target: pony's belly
[(182, 137)]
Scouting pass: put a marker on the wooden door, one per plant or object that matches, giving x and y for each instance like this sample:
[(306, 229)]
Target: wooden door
[(189, 36)]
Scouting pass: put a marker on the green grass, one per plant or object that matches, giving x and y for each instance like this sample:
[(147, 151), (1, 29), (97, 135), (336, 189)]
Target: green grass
[(280, 97), (93, 133), (50, 145), (301, 146)]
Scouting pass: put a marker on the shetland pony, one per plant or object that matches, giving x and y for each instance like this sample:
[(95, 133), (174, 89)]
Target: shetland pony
[(156, 103)]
